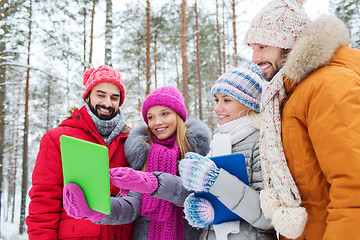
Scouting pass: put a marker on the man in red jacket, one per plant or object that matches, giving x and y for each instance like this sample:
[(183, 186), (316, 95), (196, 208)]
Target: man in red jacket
[(99, 120)]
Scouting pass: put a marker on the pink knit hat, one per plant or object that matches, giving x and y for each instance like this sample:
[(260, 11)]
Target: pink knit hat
[(278, 24), (104, 73), (167, 96)]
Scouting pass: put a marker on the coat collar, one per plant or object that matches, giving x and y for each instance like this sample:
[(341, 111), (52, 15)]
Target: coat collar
[(137, 145), (315, 47), (80, 118)]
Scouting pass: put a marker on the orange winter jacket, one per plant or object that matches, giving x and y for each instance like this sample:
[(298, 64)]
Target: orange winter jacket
[(321, 132)]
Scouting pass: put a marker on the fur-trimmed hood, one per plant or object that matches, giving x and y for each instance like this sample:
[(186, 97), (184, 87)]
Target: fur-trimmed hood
[(137, 145), (315, 47)]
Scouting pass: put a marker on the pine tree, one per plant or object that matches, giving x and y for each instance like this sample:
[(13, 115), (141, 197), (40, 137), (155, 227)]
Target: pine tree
[(108, 33), (349, 12), (24, 182), (184, 58)]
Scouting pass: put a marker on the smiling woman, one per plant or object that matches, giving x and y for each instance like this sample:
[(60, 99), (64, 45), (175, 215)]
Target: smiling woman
[(227, 108), (164, 110), (152, 193), (161, 121), (238, 132)]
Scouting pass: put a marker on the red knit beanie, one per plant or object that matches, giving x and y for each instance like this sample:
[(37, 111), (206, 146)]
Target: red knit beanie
[(93, 77)]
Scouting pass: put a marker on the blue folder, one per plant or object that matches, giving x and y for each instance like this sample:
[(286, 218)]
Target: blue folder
[(235, 165)]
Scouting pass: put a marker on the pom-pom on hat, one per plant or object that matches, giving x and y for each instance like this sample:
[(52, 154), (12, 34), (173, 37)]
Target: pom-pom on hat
[(244, 84), (278, 24), (104, 73), (167, 96)]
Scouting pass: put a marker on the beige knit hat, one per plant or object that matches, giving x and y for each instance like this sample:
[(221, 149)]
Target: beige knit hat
[(278, 24)]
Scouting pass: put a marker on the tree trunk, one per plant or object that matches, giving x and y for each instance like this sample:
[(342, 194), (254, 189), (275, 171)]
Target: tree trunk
[(183, 54), (198, 60), (223, 35), (155, 56), (177, 68), (108, 33), (48, 98), (92, 32), (148, 82), (24, 182), (84, 32), (218, 36), (2, 115), (14, 178), (195, 93), (12, 175), (234, 29)]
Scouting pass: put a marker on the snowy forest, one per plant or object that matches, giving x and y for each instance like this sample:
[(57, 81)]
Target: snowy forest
[(46, 45)]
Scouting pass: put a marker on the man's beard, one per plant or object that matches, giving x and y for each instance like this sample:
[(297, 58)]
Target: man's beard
[(268, 77), (101, 116), (278, 64)]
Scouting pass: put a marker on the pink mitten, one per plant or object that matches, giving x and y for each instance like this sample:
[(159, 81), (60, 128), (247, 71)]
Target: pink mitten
[(76, 206), (128, 179)]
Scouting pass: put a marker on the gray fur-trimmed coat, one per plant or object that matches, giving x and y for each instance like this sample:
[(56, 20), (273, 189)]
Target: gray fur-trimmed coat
[(127, 209)]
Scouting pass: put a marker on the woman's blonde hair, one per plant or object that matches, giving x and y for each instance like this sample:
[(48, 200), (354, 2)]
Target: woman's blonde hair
[(181, 140), (254, 118)]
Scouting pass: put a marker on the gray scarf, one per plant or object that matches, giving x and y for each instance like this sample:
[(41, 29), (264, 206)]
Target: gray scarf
[(108, 129)]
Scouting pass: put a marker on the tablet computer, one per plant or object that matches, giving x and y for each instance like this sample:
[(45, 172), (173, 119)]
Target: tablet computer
[(87, 164), (234, 164)]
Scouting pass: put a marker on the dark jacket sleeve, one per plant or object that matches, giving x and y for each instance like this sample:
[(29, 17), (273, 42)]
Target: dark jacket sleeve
[(170, 189), (123, 209), (170, 186), (241, 199), (127, 209)]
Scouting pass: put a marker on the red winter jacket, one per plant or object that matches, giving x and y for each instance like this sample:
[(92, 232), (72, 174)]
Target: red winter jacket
[(47, 218)]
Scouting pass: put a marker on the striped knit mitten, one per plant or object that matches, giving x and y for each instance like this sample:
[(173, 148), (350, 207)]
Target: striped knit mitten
[(198, 211), (198, 173)]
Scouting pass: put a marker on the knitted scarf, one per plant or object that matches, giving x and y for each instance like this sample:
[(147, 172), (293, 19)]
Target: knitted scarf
[(229, 134), (238, 129), (166, 218), (280, 199), (108, 129)]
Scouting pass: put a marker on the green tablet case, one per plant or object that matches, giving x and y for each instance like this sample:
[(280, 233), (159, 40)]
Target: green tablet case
[(87, 164)]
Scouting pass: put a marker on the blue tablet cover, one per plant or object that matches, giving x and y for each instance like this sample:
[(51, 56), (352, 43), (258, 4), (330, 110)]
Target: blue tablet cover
[(87, 164), (235, 165)]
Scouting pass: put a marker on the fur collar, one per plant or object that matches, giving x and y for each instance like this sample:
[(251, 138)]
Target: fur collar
[(315, 47), (137, 146)]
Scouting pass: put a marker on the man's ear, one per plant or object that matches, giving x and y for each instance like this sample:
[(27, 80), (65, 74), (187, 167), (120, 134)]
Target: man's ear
[(87, 98)]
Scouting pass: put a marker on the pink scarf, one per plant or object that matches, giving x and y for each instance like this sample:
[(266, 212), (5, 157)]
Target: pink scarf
[(166, 218)]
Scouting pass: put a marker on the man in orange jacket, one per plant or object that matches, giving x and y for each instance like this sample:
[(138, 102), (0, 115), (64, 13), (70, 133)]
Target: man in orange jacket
[(100, 121), (310, 136)]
